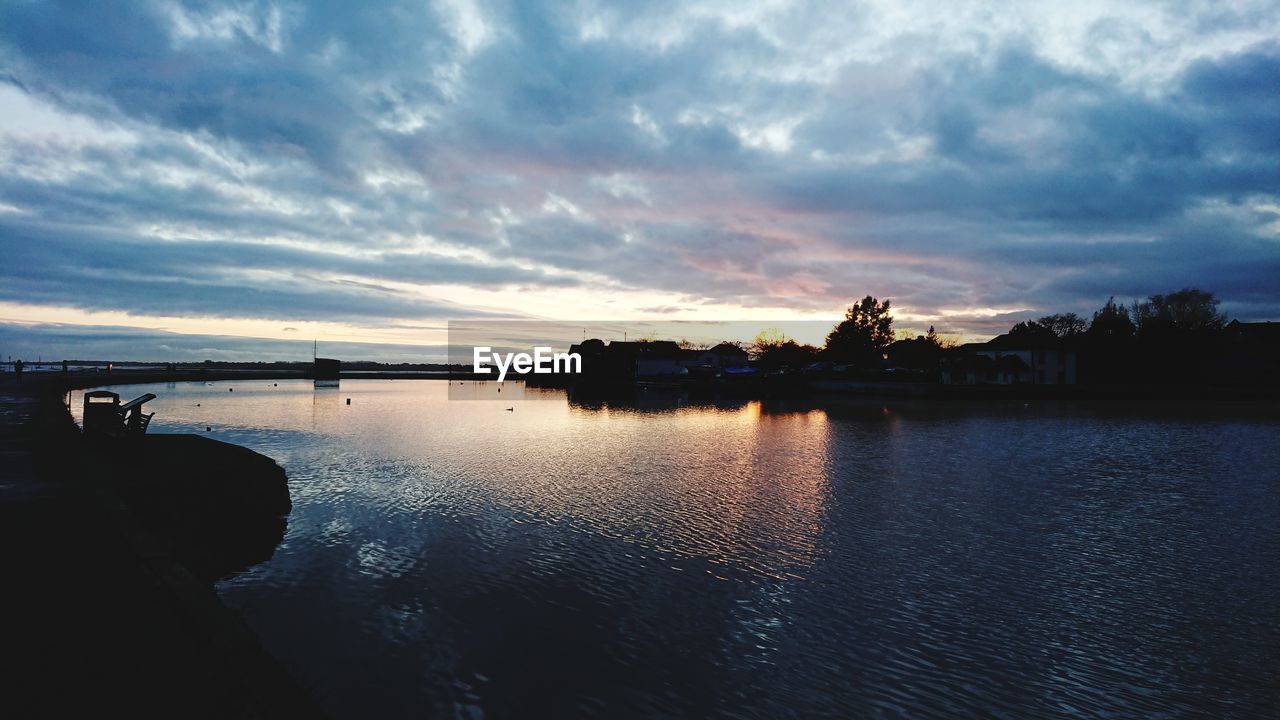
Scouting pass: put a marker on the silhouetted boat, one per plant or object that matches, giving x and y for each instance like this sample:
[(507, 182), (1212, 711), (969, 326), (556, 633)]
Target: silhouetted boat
[(326, 372)]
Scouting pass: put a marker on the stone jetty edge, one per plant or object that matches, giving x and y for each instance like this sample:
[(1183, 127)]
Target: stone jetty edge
[(249, 682)]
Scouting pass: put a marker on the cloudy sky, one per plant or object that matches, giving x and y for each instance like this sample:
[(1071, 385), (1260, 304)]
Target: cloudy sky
[(234, 179)]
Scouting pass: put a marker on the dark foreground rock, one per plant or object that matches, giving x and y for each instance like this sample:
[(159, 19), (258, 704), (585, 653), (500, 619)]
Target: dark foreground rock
[(219, 507), (107, 608)]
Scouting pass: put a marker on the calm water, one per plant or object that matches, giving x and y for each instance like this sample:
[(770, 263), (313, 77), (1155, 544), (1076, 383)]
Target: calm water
[(454, 559)]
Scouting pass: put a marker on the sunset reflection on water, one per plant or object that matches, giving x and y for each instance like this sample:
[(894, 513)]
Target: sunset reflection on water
[(665, 554)]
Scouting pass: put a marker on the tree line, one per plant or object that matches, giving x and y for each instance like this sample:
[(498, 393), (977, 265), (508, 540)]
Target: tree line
[(1178, 328)]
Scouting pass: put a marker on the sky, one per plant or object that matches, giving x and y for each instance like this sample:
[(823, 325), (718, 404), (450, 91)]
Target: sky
[(190, 180)]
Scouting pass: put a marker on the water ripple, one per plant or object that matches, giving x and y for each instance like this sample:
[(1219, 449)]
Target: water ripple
[(451, 559)]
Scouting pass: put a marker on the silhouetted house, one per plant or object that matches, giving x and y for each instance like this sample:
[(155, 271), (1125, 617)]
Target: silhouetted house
[(1259, 334), (654, 359), (592, 353), (621, 361), (593, 346), (1011, 369), (724, 355), (968, 368), (1249, 353), (1011, 359), (594, 365)]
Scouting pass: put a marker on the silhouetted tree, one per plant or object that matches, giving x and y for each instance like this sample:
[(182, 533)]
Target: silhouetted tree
[(772, 348), (766, 341), (937, 340), (1107, 351), (1064, 325), (1111, 321), (1031, 330), (867, 329), (1189, 310), (1177, 336), (789, 354), (923, 352)]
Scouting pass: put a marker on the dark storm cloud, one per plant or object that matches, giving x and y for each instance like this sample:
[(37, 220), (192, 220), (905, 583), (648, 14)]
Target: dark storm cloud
[(153, 62), (76, 267), (1109, 158), (715, 153)]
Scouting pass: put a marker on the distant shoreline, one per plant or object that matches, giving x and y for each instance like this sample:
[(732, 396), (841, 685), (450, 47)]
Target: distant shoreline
[(81, 379), (1155, 395)]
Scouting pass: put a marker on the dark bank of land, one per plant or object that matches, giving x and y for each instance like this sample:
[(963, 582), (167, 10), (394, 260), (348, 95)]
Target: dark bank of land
[(226, 370), (648, 363), (108, 603)]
